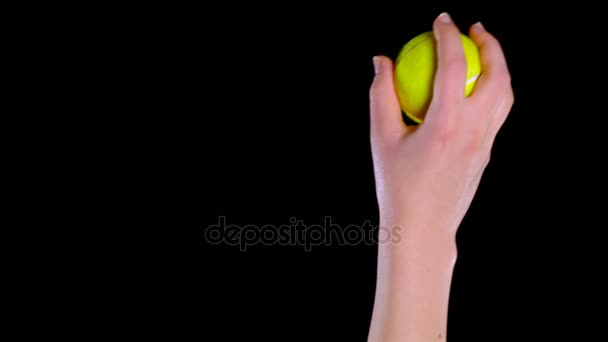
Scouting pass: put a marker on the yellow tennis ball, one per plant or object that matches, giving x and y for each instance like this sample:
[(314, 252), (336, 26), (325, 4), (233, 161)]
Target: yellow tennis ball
[(415, 73)]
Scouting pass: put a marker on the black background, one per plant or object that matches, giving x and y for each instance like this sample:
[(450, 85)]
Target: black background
[(269, 120), (145, 123)]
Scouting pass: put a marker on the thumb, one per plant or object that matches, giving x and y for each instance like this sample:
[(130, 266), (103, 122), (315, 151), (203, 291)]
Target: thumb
[(386, 122)]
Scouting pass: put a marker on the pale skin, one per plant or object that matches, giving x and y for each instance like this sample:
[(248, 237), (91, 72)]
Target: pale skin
[(426, 177)]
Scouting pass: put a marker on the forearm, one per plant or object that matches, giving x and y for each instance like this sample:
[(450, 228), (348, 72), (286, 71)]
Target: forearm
[(427, 175), (413, 284)]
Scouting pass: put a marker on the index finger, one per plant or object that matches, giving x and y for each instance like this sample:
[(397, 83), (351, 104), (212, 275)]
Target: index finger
[(450, 77)]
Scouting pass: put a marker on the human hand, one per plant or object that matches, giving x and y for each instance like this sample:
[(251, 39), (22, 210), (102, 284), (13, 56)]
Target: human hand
[(426, 177)]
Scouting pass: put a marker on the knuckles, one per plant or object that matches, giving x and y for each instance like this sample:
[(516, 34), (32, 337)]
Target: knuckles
[(473, 142), (450, 137), (442, 135)]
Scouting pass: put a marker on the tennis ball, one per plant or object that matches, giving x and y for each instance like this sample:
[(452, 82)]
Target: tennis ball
[(415, 73)]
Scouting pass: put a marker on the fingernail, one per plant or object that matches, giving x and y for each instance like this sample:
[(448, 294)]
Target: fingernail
[(478, 25), (445, 18), (377, 66)]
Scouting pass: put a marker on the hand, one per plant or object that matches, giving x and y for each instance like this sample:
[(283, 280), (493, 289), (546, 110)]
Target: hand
[(426, 177)]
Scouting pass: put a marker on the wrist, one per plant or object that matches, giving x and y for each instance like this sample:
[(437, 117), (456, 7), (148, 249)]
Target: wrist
[(436, 242)]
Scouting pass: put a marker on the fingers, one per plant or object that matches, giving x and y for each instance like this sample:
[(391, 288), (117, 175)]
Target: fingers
[(386, 122), (493, 94), (450, 77), (495, 79)]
